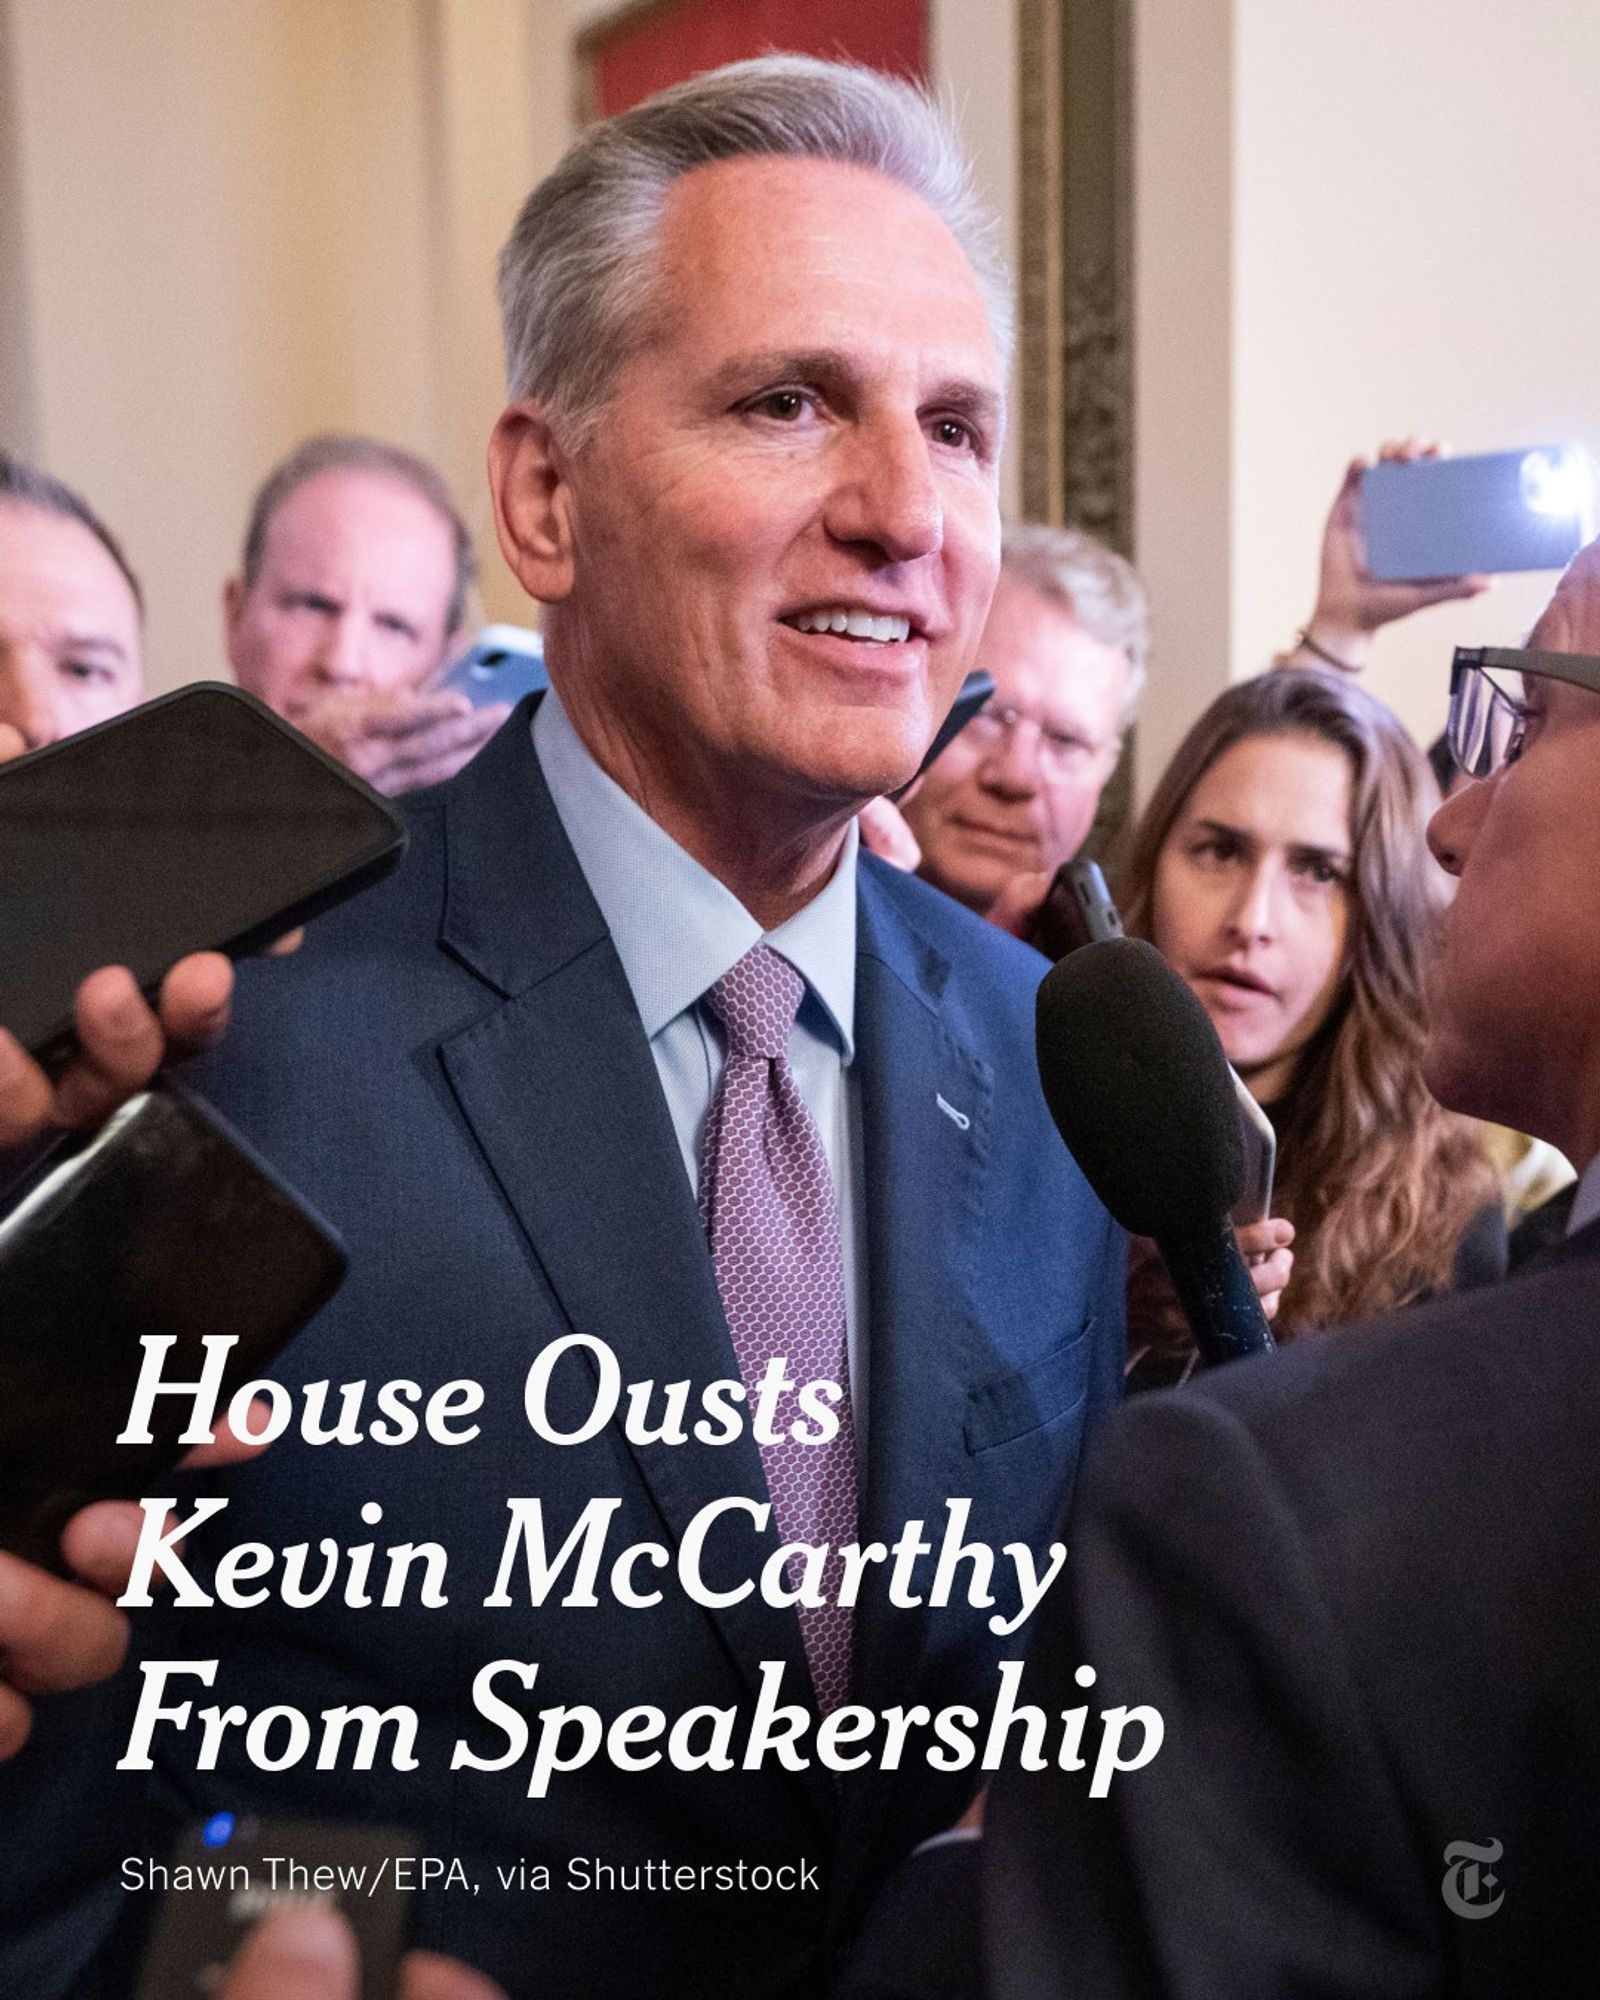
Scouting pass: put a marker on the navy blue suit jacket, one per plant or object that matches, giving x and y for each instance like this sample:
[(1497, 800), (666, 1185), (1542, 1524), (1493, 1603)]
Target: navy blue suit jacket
[(454, 1072)]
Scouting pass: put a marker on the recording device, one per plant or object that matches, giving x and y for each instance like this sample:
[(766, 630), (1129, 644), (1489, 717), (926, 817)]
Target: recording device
[(242, 1867), (1503, 510), (1141, 1092), (1077, 910), (974, 691), (503, 663), (163, 1222), (200, 821)]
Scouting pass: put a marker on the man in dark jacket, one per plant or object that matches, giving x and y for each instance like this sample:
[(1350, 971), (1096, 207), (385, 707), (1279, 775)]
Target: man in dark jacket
[(1360, 1581)]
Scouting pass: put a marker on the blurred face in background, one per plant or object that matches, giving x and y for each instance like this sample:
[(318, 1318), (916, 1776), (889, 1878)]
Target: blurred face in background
[(353, 593), (69, 628), (1019, 793), (1252, 899)]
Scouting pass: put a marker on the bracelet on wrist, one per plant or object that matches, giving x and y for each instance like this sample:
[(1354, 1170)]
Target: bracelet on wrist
[(1304, 640)]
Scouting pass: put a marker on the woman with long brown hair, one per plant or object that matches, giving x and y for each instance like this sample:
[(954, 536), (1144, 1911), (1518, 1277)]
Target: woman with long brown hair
[(1281, 866)]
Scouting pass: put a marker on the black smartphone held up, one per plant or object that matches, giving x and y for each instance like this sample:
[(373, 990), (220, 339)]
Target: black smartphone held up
[(975, 690), (1477, 516), (163, 1222), (200, 821), (1077, 910), (503, 663), (240, 1867)]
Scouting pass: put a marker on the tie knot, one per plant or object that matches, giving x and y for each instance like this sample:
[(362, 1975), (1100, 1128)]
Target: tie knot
[(757, 1000)]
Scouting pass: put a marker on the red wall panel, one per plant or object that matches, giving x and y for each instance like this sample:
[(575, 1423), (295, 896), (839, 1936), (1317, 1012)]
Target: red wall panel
[(668, 43)]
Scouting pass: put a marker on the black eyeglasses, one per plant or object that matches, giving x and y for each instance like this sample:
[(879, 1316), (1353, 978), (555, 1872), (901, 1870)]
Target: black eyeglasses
[(1488, 722)]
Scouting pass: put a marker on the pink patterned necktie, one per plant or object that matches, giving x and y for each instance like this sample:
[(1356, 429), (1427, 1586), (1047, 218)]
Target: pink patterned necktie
[(767, 1202)]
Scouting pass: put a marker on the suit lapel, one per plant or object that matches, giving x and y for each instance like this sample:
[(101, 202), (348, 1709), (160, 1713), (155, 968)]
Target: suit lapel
[(561, 1092), (925, 1106)]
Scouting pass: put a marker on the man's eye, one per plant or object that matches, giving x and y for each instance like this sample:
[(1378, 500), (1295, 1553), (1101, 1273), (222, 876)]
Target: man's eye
[(85, 670), (783, 404), (1526, 729), (1325, 874), (955, 432)]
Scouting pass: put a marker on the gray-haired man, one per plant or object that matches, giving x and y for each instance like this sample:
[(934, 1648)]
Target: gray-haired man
[(636, 1048), (1016, 792)]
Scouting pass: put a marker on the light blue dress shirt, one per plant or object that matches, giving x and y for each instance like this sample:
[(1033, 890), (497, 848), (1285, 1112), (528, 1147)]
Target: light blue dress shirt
[(677, 929)]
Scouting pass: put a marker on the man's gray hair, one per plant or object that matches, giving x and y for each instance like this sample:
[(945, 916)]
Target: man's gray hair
[(577, 272), (1100, 588), (340, 451)]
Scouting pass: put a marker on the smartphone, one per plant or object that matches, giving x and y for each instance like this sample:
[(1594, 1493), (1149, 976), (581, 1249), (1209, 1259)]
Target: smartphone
[(975, 690), (241, 1866), (1499, 511), (200, 821), (1260, 1156), (504, 663), (1077, 910), (165, 1221)]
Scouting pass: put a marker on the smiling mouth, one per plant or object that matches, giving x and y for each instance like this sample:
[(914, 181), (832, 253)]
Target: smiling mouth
[(873, 628)]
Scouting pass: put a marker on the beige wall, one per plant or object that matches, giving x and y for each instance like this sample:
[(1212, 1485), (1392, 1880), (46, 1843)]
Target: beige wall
[(225, 226), (1357, 219), (239, 224)]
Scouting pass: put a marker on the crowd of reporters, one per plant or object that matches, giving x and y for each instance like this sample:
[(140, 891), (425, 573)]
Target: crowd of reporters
[(1281, 866)]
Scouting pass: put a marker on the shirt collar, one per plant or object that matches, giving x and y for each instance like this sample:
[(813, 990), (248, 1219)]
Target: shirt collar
[(676, 928), (1586, 1202)]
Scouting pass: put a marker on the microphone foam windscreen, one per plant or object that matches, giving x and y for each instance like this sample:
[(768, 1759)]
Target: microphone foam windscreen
[(1139, 1087)]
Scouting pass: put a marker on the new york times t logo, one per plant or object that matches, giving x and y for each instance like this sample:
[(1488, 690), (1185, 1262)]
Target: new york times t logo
[(1470, 1877)]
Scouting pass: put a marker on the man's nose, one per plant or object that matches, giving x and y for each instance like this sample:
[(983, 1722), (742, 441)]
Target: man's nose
[(1012, 766), (1454, 826), (886, 494), (28, 701), (340, 658)]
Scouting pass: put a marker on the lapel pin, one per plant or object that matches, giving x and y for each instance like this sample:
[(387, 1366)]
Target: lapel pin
[(957, 1118)]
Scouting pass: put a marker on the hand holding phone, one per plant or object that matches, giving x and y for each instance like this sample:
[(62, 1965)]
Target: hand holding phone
[(1352, 604), (398, 739), (1480, 515), (198, 822), (61, 1631)]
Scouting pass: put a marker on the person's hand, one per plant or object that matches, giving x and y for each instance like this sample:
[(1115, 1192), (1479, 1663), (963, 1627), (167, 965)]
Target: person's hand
[(1351, 605), (884, 832), (56, 1635), (1264, 1246), (398, 739), (304, 1950), (122, 1042), (1019, 903)]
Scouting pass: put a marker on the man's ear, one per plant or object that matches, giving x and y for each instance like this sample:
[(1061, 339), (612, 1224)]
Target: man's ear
[(528, 477)]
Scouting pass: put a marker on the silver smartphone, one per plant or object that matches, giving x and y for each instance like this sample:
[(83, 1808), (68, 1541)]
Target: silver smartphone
[(1260, 1157), (1478, 516)]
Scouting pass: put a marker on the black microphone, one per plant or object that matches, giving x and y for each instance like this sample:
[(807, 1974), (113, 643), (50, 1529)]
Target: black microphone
[(1139, 1088)]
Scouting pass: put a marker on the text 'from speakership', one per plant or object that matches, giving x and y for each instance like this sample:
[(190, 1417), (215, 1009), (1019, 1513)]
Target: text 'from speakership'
[(575, 1558)]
